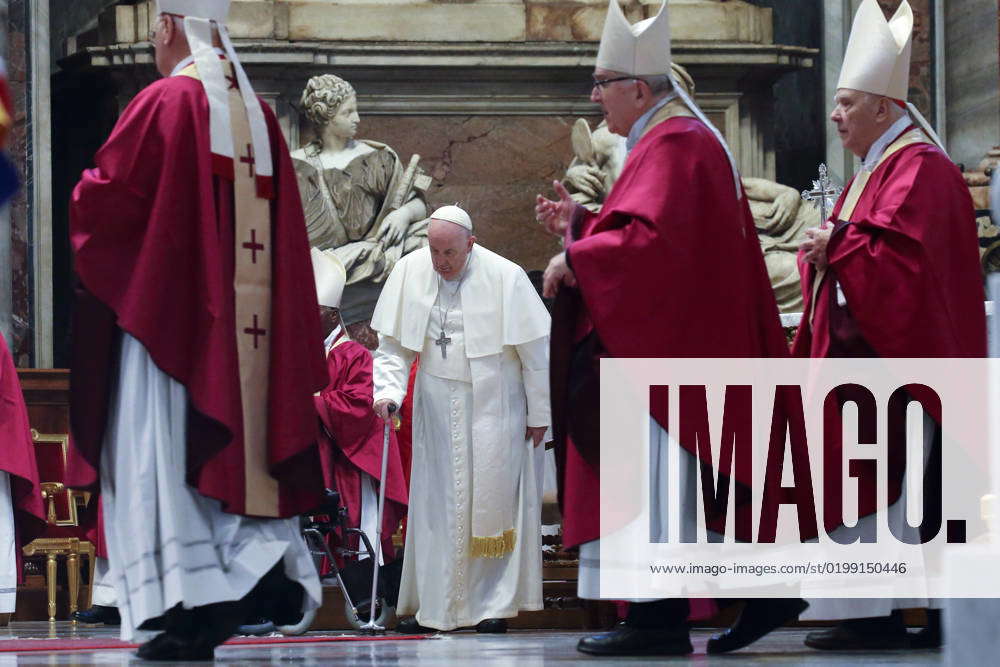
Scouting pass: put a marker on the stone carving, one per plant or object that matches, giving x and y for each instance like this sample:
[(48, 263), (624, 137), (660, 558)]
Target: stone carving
[(780, 218), (360, 201), (979, 187)]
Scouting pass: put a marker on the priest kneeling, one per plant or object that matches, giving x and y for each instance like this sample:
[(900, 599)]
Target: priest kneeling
[(480, 412)]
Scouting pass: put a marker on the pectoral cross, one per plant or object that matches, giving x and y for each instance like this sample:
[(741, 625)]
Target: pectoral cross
[(824, 194), (443, 342)]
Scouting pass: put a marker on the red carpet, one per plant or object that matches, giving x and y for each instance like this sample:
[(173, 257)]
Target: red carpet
[(25, 645)]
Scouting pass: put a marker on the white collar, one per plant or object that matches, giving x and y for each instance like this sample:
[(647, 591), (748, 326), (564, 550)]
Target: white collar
[(640, 124), (890, 135), (332, 338), (190, 59)]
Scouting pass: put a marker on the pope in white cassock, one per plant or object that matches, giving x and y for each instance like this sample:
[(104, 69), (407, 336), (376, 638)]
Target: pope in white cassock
[(480, 412)]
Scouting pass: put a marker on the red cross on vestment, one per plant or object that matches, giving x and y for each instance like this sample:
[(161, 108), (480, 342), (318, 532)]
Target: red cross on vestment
[(255, 331), (252, 245), (249, 160), (232, 82)]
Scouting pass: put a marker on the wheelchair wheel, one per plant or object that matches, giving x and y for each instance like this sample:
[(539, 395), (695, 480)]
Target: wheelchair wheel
[(299, 628), (384, 617)]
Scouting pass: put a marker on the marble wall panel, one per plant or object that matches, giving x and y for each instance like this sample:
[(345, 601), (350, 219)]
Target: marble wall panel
[(491, 165), (18, 143), (971, 78), (370, 20), (921, 68)]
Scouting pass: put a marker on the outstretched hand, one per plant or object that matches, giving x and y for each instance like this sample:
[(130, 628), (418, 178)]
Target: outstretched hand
[(555, 215)]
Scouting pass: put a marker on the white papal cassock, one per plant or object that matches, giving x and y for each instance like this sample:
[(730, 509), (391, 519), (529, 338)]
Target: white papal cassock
[(168, 544), (492, 384), (8, 547)]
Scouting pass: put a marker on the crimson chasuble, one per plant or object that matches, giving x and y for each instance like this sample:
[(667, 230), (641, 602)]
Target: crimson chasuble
[(352, 439), (17, 457), (153, 230), (670, 267), (906, 259)]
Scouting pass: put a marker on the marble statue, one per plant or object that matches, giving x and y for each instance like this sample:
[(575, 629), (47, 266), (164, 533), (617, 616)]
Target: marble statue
[(778, 213), (360, 201), (781, 219)]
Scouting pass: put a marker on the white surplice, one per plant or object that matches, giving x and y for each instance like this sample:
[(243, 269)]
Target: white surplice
[(442, 583), (168, 544), (8, 569)]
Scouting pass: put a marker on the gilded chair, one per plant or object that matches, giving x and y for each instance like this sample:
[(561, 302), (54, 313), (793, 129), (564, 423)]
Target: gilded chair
[(64, 536)]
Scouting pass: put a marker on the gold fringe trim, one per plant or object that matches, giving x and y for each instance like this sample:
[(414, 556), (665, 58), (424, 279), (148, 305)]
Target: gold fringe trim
[(494, 547)]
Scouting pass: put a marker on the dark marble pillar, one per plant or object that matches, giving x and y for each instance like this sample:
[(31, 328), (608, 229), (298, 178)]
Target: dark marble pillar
[(921, 66), (18, 148)]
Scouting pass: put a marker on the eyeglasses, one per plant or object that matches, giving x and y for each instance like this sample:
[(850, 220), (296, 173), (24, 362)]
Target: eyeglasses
[(600, 83)]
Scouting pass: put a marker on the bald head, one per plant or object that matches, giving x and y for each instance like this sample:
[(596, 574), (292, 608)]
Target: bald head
[(450, 245)]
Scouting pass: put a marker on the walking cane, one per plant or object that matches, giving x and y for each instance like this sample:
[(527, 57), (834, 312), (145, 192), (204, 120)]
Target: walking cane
[(371, 626)]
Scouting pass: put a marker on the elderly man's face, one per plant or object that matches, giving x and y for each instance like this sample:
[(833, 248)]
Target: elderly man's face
[(450, 246), (620, 100), (329, 318), (344, 123), (860, 119)]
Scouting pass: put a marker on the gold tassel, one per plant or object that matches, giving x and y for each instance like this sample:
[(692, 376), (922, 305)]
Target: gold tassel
[(494, 547)]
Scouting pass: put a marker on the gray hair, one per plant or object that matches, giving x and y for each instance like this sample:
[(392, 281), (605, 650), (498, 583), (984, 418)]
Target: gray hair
[(659, 84), (323, 96)]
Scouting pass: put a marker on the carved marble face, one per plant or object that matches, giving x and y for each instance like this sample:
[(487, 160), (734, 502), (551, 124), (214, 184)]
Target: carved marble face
[(344, 123)]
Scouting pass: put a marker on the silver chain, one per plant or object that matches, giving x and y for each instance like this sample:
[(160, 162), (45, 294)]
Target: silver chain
[(451, 302)]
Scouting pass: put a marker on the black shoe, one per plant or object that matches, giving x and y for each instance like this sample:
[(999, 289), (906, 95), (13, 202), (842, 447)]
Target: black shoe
[(496, 626), (876, 634), (98, 615), (759, 617), (167, 647), (409, 626), (625, 640), (931, 636)]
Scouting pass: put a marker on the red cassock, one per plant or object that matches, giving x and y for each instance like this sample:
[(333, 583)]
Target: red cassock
[(17, 457), (152, 233), (670, 267), (908, 265), (352, 439)]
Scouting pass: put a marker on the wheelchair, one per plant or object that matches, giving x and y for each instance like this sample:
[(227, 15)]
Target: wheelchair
[(356, 579)]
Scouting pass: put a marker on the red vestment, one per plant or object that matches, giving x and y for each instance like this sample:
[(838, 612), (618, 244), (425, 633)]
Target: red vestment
[(670, 267), (17, 457), (153, 237), (352, 440), (907, 262)]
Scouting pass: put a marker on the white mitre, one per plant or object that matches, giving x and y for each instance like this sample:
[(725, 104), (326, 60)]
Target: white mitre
[(199, 17), (877, 59), (643, 49), (331, 276), (453, 214)]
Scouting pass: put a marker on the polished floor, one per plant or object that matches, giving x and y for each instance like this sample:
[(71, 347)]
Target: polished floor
[(515, 649)]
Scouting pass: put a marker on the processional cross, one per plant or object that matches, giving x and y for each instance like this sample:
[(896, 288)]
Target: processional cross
[(824, 194), (443, 342)]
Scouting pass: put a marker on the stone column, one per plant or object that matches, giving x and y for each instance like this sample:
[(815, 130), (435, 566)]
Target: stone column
[(972, 71), (5, 273)]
